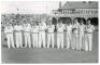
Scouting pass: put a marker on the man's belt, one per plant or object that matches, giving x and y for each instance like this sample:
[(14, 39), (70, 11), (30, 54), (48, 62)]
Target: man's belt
[(50, 32), (17, 30), (68, 32), (34, 32), (89, 32), (27, 31), (59, 32), (9, 32), (42, 30)]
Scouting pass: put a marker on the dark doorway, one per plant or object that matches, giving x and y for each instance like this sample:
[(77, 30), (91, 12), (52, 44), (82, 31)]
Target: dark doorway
[(54, 20), (94, 21), (65, 20)]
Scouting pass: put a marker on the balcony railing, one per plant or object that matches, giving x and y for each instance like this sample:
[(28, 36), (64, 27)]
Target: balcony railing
[(76, 11)]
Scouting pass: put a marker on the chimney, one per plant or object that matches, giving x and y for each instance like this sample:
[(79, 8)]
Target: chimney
[(60, 5)]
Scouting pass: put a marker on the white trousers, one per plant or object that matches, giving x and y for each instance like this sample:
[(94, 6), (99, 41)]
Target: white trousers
[(77, 44), (42, 40), (81, 40), (35, 41), (50, 37), (75, 41), (60, 40), (10, 40), (27, 39), (88, 42), (18, 37), (68, 36)]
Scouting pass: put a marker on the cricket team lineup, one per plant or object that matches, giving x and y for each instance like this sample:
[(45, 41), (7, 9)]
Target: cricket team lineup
[(78, 35)]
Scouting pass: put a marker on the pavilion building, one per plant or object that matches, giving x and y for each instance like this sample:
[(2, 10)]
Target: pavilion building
[(77, 9)]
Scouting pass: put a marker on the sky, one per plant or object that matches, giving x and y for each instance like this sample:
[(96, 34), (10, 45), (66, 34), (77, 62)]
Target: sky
[(28, 7)]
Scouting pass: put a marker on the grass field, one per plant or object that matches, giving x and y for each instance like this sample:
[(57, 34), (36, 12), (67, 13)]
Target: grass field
[(51, 55)]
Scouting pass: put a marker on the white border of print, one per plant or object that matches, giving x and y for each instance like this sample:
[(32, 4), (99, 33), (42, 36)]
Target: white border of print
[(47, 0)]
